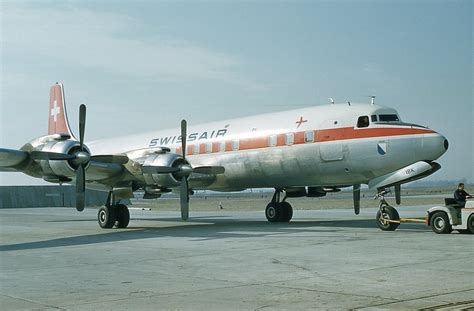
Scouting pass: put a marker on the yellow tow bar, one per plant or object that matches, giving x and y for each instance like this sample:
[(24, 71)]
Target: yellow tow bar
[(415, 220)]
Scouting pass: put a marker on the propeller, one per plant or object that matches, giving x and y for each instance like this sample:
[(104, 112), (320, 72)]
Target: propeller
[(183, 171), (184, 198), (186, 170), (80, 188), (184, 191), (80, 159)]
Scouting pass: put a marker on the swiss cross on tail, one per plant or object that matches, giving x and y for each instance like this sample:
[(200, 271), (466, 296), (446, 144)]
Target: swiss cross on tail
[(58, 123)]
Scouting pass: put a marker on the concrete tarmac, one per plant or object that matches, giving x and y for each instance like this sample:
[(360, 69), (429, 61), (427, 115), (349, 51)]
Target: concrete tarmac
[(57, 258)]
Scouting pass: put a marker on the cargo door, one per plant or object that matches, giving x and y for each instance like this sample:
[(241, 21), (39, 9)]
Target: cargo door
[(331, 147)]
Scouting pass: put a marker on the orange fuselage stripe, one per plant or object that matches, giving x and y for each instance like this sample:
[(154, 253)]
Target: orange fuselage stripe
[(345, 133)]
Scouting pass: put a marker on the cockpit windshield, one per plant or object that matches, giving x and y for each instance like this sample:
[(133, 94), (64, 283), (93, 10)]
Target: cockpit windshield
[(388, 118)]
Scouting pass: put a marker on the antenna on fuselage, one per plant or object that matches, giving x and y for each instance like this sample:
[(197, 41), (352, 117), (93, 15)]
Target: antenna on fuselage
[(331, 100), (372, 99), (349, 103)]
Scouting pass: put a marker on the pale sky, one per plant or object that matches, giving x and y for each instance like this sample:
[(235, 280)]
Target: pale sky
[(145, 65)]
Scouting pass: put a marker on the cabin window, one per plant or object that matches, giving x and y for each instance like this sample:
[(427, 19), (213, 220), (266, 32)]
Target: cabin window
[(388, 118), (222, 146), (208, 147), (308, 136), (235, 144), (272, 140), (373, 118), (363, 121), (196, 149), (289, 139)]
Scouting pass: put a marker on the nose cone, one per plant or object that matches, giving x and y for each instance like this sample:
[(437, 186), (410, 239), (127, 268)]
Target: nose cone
[(434, 146)]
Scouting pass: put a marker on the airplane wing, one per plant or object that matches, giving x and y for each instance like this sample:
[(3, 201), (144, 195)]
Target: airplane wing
[(10, 159), (100, 166)]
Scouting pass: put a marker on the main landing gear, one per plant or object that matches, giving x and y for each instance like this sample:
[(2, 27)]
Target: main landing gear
[(113, 214), (387, 216), (278, 211)]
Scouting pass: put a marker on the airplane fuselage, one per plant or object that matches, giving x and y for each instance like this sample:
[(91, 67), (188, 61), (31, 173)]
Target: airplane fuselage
[(317, 146)]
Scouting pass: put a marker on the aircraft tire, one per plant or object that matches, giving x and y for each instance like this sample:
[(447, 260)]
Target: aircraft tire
[(391, 214), (470, 223), (122, 216), (287, 211), (106, 217), (273, 212), (439, 223)]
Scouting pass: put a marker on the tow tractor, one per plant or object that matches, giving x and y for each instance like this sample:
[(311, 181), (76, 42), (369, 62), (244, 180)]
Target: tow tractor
[(441, 219)]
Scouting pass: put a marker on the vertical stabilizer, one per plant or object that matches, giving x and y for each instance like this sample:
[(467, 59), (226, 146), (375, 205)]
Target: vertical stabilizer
[(58, 122)]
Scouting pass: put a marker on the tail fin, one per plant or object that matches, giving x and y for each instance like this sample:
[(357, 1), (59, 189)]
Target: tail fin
[(58, 122)]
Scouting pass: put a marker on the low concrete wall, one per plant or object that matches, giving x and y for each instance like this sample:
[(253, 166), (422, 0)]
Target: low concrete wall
[(46, 196)]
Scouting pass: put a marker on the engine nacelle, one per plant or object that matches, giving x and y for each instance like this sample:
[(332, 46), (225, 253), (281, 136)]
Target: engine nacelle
[(163, 159), (60, 167)]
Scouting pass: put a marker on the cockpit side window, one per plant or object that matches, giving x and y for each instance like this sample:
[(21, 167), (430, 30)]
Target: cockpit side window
[(388, 118), (363, 121), (374, 118)]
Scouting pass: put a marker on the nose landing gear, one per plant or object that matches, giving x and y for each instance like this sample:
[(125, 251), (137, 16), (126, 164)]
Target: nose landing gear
[(387, 216)]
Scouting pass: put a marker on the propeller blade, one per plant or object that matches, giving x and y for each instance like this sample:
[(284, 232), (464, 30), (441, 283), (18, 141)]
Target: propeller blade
[(356, 196), (113, 158), (44, 155), (209, 170), (184, 136), (82, 124), (159, 169), (398, 194), (184, 199), (80, 188)]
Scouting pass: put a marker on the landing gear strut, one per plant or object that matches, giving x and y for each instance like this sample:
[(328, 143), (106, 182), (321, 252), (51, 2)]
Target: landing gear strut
[(387, 217), (278, 211), (113, 214)]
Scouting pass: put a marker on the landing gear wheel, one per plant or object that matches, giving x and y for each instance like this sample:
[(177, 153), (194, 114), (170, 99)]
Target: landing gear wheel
[(287, 211), (273, 212), (470, 224), (387, 213), (440, 223), (106, 217), (122, 216)]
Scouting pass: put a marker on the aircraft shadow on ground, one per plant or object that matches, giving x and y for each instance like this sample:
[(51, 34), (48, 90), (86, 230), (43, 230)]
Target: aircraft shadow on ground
[(210, 228)]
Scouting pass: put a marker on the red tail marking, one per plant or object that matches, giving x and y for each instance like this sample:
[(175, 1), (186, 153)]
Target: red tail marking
[(57, 113)]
